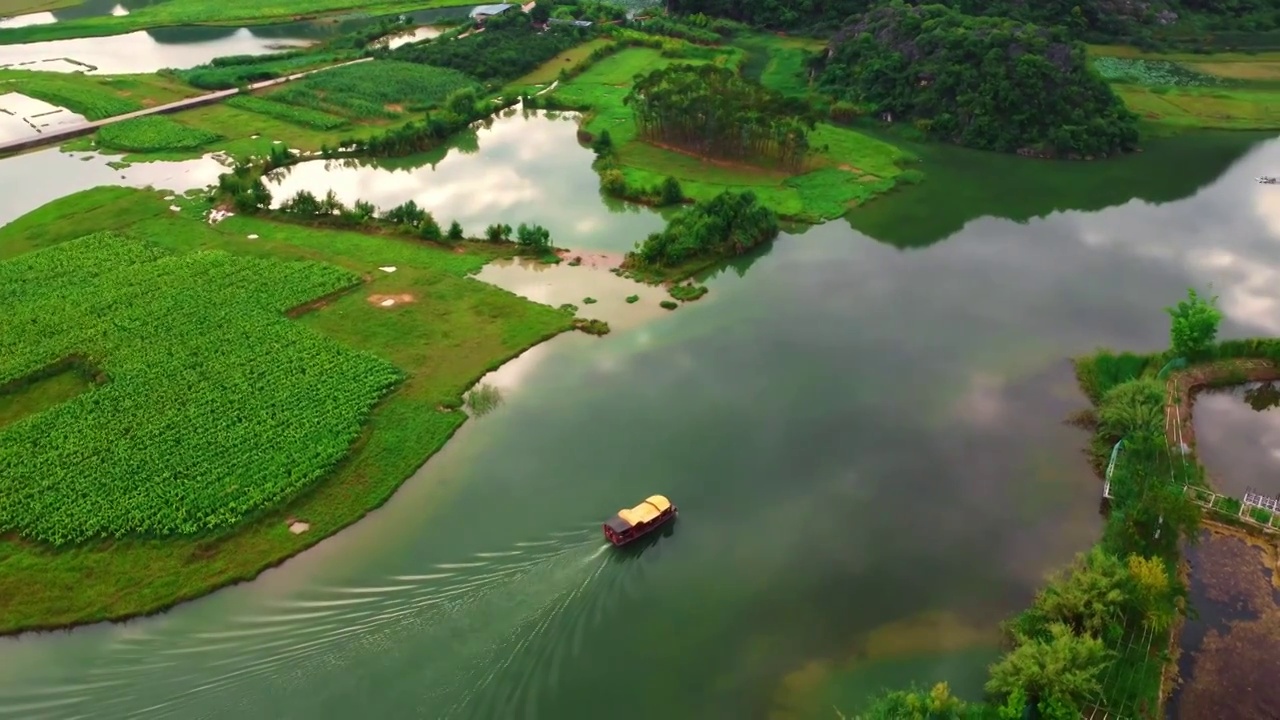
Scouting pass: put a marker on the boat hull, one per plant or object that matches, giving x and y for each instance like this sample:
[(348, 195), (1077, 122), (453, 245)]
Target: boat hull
[(621, 539)]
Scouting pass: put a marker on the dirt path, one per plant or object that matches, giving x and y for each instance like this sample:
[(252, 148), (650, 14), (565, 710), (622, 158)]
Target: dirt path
[(79, 129)]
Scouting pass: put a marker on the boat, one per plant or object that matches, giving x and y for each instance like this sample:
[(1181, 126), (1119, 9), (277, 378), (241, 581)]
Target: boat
[(1269, 180), (634, 523)]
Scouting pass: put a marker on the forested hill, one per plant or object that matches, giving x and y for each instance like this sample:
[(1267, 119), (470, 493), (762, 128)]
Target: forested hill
[(983, 82), (1086, 19)]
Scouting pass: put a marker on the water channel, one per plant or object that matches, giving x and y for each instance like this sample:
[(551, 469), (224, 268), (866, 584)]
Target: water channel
[(863, 429)]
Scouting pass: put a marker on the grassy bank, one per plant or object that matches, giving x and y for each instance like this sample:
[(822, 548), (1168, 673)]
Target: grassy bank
[(845, 169), (1179, 91), (169, 13), (461, 329)]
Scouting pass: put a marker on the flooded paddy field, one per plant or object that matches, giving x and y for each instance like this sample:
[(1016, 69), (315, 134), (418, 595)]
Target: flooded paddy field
[(1230, 652)]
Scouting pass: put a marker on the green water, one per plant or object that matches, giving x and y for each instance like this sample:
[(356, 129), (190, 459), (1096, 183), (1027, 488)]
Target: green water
[(856, 436)]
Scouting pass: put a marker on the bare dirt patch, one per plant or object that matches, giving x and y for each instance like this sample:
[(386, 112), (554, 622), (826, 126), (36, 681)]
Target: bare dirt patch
[(388, 301), (606, 261), (394, 107)]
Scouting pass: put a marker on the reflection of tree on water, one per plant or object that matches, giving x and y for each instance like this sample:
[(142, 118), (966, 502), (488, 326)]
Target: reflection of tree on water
[(98, 8), (1019, 189), (1263, 397)]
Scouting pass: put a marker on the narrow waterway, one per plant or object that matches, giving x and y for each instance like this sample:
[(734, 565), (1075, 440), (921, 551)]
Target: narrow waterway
[(866, 444)]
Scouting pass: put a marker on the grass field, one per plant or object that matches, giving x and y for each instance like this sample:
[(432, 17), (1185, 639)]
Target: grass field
[(95, 96), (779, 63), (378, 89), (1176, 91), (22, 7), (852, 169), (167, 13), (460, 329)]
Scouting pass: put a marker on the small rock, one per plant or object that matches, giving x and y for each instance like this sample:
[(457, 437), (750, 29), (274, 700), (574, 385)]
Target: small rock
[(297, 527), (175, 208), (168, 197), (252, 237), (388, 268)]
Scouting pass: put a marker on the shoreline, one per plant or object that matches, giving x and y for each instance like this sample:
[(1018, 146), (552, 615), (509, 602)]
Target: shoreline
[(314, 538)]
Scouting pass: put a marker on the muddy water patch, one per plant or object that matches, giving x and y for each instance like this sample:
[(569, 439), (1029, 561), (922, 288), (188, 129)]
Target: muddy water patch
[(1230, 653), (1238, 437), (565, 284), (33, 179), (22, 116)]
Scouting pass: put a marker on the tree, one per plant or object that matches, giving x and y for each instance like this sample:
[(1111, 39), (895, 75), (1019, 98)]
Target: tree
[(1195, 324), (497, 233), (1089, 596), (603, 144), (985, 82), (729, 224), (1057, 674), (670, 193), (533, 237), (1134, 411), (429, 229), (715, 112), (455, 232), (540, 13), (936, 704)]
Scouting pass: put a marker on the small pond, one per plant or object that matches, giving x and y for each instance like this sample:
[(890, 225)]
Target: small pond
[(1238, 437)]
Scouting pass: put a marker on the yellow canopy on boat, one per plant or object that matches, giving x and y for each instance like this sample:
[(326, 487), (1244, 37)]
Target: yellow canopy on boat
[(652, 507)]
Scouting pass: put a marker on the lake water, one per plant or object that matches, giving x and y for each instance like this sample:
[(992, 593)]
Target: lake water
[(184, 47), (863, 430)]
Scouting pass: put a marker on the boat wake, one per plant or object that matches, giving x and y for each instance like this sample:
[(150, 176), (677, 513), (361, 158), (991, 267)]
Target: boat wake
[(527, 604)]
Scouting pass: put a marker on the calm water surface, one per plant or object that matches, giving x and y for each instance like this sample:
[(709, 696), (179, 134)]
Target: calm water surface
[(1238, 437), (182, 47), (866, 445)]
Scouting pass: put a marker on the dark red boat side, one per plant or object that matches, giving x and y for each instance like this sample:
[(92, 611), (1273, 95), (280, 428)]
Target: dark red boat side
[(634, 523)]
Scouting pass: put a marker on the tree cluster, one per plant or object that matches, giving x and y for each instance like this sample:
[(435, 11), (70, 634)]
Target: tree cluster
[(507, 49), (461, 109), (714, 112), (1091, 20), (730, 224), (987, 83), (406, 216)]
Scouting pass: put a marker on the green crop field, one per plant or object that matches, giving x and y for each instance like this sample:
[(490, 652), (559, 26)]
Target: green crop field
[(378, 89), (201, 361), (153, 133), (301, 116), (460, 328), (852, 168)]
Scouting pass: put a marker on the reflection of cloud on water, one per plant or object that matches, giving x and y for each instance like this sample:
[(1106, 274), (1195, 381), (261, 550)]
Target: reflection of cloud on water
[(528, 169), (138, 52), (1228, 240)]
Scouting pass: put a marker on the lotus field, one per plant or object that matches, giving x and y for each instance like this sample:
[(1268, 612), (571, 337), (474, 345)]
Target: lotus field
[(153, 133), (215, 404)]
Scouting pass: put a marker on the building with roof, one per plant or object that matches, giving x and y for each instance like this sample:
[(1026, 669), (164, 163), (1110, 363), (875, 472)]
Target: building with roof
[(480, 12)]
